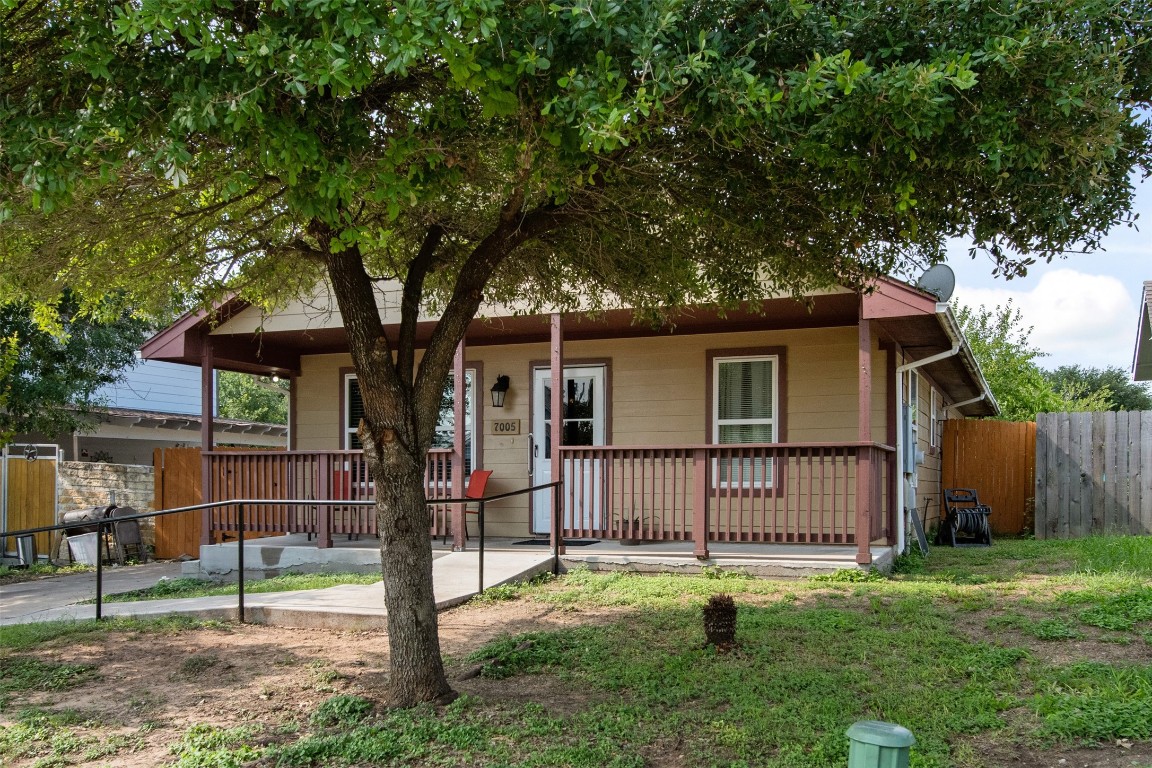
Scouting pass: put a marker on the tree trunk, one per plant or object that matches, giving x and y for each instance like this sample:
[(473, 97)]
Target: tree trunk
[(417, 671)]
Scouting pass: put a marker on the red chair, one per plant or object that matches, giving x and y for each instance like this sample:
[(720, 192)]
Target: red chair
[(477, 482)]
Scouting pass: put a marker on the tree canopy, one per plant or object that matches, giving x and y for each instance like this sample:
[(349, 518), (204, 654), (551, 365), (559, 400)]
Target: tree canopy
[(645, 154), (52, 376), (1112, 383), (225, 144), (1002, 345)]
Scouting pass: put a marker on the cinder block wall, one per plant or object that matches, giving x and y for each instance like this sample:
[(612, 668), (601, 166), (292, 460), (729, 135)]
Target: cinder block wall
[(90, 484)]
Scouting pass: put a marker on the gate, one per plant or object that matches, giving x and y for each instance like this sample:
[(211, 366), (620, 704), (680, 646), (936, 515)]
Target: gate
[(177, 477), (29, 492), (998, 459)]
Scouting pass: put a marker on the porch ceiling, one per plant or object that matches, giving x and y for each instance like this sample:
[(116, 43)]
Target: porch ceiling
[(922, 336)]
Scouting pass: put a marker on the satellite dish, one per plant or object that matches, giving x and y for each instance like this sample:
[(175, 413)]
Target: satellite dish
[(939, 280)]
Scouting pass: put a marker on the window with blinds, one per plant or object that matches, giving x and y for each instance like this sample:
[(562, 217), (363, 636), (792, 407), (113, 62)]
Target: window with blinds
[(744, 411), (445, 428)]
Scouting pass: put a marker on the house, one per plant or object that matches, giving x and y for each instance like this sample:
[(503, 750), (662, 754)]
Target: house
[(154, 405), (1142, 358), (784, 423)]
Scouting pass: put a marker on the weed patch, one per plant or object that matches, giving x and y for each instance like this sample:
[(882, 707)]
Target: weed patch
[(1095, 702), (26, 673), (205, 746), (341, 710)]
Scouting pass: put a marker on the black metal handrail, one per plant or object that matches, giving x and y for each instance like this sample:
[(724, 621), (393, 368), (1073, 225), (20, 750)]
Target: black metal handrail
[(102, 523)]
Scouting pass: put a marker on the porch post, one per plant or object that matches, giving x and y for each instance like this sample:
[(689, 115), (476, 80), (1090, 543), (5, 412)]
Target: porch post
[(864, 497), (557, 429), (207, 413), (458, 537), (700, 484), (890, 458)]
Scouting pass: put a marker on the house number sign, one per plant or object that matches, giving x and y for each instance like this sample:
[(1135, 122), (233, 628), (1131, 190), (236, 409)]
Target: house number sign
[(504, 427)]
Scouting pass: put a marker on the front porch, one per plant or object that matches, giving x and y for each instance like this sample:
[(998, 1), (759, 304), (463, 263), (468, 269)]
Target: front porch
[(695, 501)]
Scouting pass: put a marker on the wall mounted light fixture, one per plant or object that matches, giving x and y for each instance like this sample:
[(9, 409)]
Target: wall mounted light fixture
[(499, 390)]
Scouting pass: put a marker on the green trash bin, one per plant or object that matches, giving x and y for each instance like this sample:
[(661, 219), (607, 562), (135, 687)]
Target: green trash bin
[(875, 744)]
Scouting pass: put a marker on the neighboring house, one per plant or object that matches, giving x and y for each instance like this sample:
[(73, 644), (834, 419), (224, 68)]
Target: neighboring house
[(155, 405), (1142, 359), (774, 426)]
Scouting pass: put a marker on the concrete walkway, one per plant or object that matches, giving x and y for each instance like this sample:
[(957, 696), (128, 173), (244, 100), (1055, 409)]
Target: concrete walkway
[(350, 606)]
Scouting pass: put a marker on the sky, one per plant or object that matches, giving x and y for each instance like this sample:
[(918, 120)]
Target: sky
[(1082, 308)]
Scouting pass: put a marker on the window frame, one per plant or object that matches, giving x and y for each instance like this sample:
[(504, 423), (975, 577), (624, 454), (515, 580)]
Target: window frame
[(715, 358), (348, 430)]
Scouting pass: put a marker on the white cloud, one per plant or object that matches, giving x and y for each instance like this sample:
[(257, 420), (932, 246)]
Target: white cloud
[(1077, 318)]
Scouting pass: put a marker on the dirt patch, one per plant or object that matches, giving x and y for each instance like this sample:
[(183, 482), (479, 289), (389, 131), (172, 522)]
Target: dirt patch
[(153, 687)]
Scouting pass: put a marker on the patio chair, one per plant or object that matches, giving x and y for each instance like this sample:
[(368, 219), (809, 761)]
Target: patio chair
[(965, 522), (477, 483)]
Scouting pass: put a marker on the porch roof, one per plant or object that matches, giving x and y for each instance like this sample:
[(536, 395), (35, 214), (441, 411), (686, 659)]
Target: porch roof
[(903, 314)]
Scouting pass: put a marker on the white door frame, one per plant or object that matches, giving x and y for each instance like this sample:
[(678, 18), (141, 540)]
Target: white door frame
[(540, 465)]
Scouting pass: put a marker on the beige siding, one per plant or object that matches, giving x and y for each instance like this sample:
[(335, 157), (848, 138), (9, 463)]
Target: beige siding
[(658, 388), (317, 416)]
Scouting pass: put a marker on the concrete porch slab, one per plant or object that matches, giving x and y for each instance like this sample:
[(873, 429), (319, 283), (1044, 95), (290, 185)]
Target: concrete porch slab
[(273, 555)]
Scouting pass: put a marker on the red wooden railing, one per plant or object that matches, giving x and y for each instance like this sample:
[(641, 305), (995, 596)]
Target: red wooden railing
[(768, 493), (313, 475)]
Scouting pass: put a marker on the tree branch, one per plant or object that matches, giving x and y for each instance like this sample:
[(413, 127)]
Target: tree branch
[(486, 257), (412, 298)]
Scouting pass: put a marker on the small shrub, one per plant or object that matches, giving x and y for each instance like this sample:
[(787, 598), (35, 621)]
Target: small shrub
[(720, 621)]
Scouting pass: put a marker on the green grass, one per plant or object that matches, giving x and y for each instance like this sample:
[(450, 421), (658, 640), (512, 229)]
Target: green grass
[(58, 739), (968, 648), (25, 636), (11, 574), (26, 673), (186, 587)]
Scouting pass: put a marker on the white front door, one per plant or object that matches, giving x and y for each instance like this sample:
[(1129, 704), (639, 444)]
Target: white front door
[(584, 396)]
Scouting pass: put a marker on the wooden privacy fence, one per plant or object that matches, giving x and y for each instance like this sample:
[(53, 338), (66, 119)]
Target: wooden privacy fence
[(998, 459), (29, 492), (1093, 473)]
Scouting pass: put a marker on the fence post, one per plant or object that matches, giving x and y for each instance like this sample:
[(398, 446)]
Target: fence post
[(324, 491), (240, 561), (99, 570), (700, 482), (863, 505), (480, 521), (558, 545)]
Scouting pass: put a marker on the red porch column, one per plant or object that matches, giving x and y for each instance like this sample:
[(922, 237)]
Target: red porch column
[(557, 429), (458, 480), (207, 412), (864, 454), (890, 520)]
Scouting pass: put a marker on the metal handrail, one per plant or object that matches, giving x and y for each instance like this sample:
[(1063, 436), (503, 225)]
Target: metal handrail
[(101, 524)]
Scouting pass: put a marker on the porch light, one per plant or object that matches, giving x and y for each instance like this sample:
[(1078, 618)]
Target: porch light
[(499, 389)]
